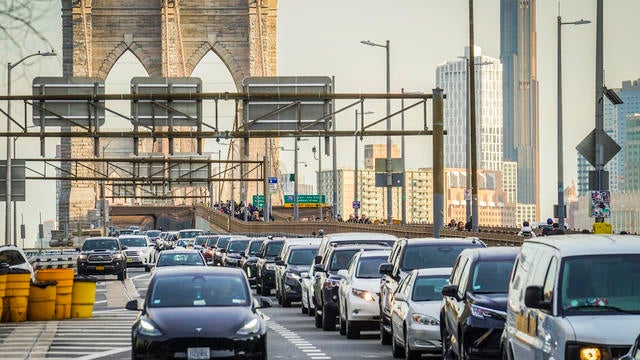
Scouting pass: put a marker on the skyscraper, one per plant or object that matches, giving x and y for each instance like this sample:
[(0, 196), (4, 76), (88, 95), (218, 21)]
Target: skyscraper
[(452, 77), (520, 89)]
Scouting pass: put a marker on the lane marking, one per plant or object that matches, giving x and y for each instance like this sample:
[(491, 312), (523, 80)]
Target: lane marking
[(299, 342)]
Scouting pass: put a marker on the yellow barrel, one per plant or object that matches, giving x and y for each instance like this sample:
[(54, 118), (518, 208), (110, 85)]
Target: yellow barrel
[(63, 306), (3, 284), (16, 295), (64, 289), (83, 298), (42, 301)]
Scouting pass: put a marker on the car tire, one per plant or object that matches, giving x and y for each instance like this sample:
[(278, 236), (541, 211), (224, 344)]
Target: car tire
[(122, 275), (318, 319), (303, 309), (462, 354), (385, 337), (147, 268), (328, 320), (285, 301), (353, 330), (343, 325), (311, 311), (396, 349), (408, 353)]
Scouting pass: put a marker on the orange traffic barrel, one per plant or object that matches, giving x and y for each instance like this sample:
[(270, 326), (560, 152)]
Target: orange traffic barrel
[(64, 289), (42, 301), (83, 296), (16, 295)]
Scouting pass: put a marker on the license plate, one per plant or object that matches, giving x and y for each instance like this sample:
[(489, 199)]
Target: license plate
[(198, 353), (99, 267), (129, 259)]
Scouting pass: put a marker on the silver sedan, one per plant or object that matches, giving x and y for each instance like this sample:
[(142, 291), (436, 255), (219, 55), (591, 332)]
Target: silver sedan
[(416, 311)]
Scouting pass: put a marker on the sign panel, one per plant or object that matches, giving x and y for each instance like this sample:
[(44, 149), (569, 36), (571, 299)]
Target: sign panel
[(356, 204), (258, 201), (279, 112), (17, 180), (600, 204), (587, 147), (396, 179), (68, 112), (396, 165), (164, 112), (155, 168), (189, 170), (308, 201)]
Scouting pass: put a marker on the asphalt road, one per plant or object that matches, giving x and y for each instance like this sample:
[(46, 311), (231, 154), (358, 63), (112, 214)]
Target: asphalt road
[(107, 335)]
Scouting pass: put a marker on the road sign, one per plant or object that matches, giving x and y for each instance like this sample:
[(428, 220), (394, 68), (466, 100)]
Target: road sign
[(258, 201), (273, 184), (17, 180), (356, 204), (309, 201), (281, 112), (587, 148), (68, 112), (163, 112), (273, 180), (396, 179)]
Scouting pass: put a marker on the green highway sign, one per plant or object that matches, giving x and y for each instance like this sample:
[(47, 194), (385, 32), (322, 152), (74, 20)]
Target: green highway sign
[(258, 201), (304, 201)]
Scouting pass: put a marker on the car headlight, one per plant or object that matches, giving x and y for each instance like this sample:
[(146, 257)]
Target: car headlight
[(363, 294), (147, 328), (118, 256), (422, 319), (250, 327), (482, 312), (82, 257), (590, 353), (293, 276), (270, 266)]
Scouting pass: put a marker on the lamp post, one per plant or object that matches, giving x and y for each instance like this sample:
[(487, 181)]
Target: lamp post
[(561, 214), (10, 66), (319, 172), (388, 162), (355, 175)]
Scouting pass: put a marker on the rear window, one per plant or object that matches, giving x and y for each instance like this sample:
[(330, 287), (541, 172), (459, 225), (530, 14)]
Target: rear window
[(431, 256)]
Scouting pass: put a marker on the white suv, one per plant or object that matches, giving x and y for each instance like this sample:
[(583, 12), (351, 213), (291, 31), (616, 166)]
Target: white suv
[(15, 258), (139, 248), (358, 296)]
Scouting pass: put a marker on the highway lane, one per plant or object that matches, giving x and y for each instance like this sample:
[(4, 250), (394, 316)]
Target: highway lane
[(292, 335)]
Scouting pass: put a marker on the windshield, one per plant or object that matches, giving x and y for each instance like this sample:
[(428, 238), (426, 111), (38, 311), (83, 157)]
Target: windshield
[(182, 243), (254, 248), (341, 259), (105, 244), (237, 246), (368, 267), (177, 259), (273, 249), (153, 233), (429, 288), (200, 240), (302, 256), (431, 256), (212, 240), (133, 242), (199, 290), (189, 234), (222, 243), (602, 284), (492, 276)]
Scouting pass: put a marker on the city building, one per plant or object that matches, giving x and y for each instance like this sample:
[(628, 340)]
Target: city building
[(452, 77), (510, 180), (625, 212), (631, 153), (378, 151), (520, 96)]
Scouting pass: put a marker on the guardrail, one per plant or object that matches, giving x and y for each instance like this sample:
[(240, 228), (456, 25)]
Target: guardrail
[(52, 258)]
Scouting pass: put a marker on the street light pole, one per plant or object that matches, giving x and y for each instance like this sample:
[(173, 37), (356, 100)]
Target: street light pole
[(388, 160), (8, 225), (561, 214), (355, 175)]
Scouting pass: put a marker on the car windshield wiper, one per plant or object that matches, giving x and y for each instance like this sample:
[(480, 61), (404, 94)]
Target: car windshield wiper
[(603, 307)]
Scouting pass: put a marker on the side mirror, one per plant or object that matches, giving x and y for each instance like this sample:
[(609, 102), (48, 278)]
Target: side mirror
[(304, 274), (318, 259), (277, 258), (243, 254), (385, 268), (533, 298), (451, 290), (318, 268), (78, 250), (132, 305), (343, 273), (399, 297), (124, 248), (280, 263)]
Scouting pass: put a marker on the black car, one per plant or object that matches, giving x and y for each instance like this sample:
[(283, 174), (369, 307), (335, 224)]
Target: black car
[(288, 281), (218, 251), (474, 306), (249, 260), (102, 255), (266, 267), (199, 313), (232, 255)]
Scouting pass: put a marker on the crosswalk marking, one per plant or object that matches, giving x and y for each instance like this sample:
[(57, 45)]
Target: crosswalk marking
[(303, 345)]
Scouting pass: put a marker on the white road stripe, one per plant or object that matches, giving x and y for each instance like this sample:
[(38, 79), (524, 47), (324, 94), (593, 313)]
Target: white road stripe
[(303, 345)]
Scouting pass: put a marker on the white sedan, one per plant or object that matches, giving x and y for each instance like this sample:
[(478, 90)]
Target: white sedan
[(358, 294), (415, 313)]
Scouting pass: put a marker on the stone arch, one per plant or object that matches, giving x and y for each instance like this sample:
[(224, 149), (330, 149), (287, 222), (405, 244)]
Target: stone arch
[(238, 73), (105, 66)]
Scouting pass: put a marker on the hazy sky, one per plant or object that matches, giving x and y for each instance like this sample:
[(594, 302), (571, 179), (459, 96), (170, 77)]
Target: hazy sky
[(323, 38)]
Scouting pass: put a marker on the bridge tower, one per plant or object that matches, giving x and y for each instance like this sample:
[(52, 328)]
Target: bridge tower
[(169, 38)]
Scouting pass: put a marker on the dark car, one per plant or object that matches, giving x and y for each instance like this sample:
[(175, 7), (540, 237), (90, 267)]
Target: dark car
[(327, 281), (218, 251), (102, 255), (249, 260), (209, 247), (295, 261), (407, 255), (266, 267), (232, 255), (172, 323), (474, 306)]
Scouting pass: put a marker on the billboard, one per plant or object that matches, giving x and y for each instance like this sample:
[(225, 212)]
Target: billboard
[(160, 112), (600, 204), (68, 112)]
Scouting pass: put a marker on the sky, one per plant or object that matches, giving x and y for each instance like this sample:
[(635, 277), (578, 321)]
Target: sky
[(323, 38)]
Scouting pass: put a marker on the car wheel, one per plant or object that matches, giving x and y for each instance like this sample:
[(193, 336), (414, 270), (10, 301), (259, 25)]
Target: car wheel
[(303, 309), (396, 349), (311, 311), (353, 330), (385, 337), (408, 353), (446, 342), (147, 268), (122, 275), (285, 301), (462, 354), (328, 320), (343, 325), (318, 319)]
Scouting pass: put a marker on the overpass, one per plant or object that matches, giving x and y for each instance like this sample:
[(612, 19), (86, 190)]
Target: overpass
[(202, 217)]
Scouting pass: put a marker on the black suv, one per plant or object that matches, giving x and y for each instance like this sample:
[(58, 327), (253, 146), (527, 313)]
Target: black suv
[(266, 266), (326, 283), (474, 306), (102, 255), (288, 281), (249, 260), (410, 254), (232, 255)]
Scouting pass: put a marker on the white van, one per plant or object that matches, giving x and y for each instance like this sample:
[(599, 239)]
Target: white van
[(574, 297)]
